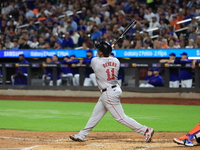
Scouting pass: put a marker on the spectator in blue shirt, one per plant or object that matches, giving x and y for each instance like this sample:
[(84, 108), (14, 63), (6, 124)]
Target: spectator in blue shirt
[(155, 81), (81, 25), (48, 71), (31, 26), (189, 15), (149, 74), (29, 13), (57, 46), (68, 41), (74, 24), (20, 79), (75, 71), (58, 39), (95, 33), (90, 78), (69, 26), (16, 46), (185, 73), (20, 76), (127, 7), (174, 72), (66, 71), (22, 60), (59, 71)]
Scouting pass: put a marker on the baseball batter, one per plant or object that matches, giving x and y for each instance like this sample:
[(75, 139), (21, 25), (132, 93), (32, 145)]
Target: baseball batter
[(106, 70)]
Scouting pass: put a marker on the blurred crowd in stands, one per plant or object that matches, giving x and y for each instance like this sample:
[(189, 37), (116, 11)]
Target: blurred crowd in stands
[(67, 24)]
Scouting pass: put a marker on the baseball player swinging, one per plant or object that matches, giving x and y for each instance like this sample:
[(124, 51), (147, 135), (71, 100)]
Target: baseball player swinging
[(106, 70)]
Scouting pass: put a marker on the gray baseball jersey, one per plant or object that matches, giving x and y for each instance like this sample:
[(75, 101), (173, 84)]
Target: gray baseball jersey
[(106, 71)]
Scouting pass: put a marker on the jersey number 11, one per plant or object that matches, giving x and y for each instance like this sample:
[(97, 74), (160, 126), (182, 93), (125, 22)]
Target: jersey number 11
[(110, 74)]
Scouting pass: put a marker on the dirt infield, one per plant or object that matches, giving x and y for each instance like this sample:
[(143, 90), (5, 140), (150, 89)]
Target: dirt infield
[(28, 140)]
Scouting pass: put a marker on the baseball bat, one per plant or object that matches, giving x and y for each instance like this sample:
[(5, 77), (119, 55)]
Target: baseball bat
[(133, 23)]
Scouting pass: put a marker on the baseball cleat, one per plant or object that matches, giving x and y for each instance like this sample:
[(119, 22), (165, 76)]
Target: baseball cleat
[(178, 141), (149, 134), (76, 137), (185, 142)]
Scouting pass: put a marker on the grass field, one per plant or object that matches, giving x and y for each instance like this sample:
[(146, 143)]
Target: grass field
[(72, 116)]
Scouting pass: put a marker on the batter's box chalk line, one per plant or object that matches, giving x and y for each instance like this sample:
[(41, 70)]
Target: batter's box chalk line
[(28, 139), (15, 138), (30, 148), (22, 148), (10, 148), (64, 139), (96, 145), (146, 147)]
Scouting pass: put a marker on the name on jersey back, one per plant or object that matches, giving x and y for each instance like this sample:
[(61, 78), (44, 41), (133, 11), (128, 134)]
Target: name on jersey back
[(110, 64)]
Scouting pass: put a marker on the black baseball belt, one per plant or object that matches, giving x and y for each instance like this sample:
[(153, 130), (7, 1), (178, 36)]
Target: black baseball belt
[(103, 90)]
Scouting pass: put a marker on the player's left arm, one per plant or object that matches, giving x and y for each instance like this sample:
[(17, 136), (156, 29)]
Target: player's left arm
[(159, 81), (118, 62), (164, 61), (156, 81), (93, 62), (176, 61), (194, 63)]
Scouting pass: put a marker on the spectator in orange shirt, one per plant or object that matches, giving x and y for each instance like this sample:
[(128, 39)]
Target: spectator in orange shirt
[(164, 43), (180, 16), (42, 17), (35, 11), (173, 23)]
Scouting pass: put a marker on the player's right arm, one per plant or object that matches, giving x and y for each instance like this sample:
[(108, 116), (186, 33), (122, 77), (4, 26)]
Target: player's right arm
[(76, 61), (194, 63), (179, 61), (46, 74)]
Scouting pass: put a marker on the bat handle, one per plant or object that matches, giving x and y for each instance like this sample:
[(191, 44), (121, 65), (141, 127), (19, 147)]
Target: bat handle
[(117, 41)]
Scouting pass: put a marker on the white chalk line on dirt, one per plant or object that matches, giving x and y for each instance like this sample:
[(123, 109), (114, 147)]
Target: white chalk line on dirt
[(29, 148), (15, 138), (95, 145), (22, 148), (146, 147), (28, 139), (62, 139), (9, 148)]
